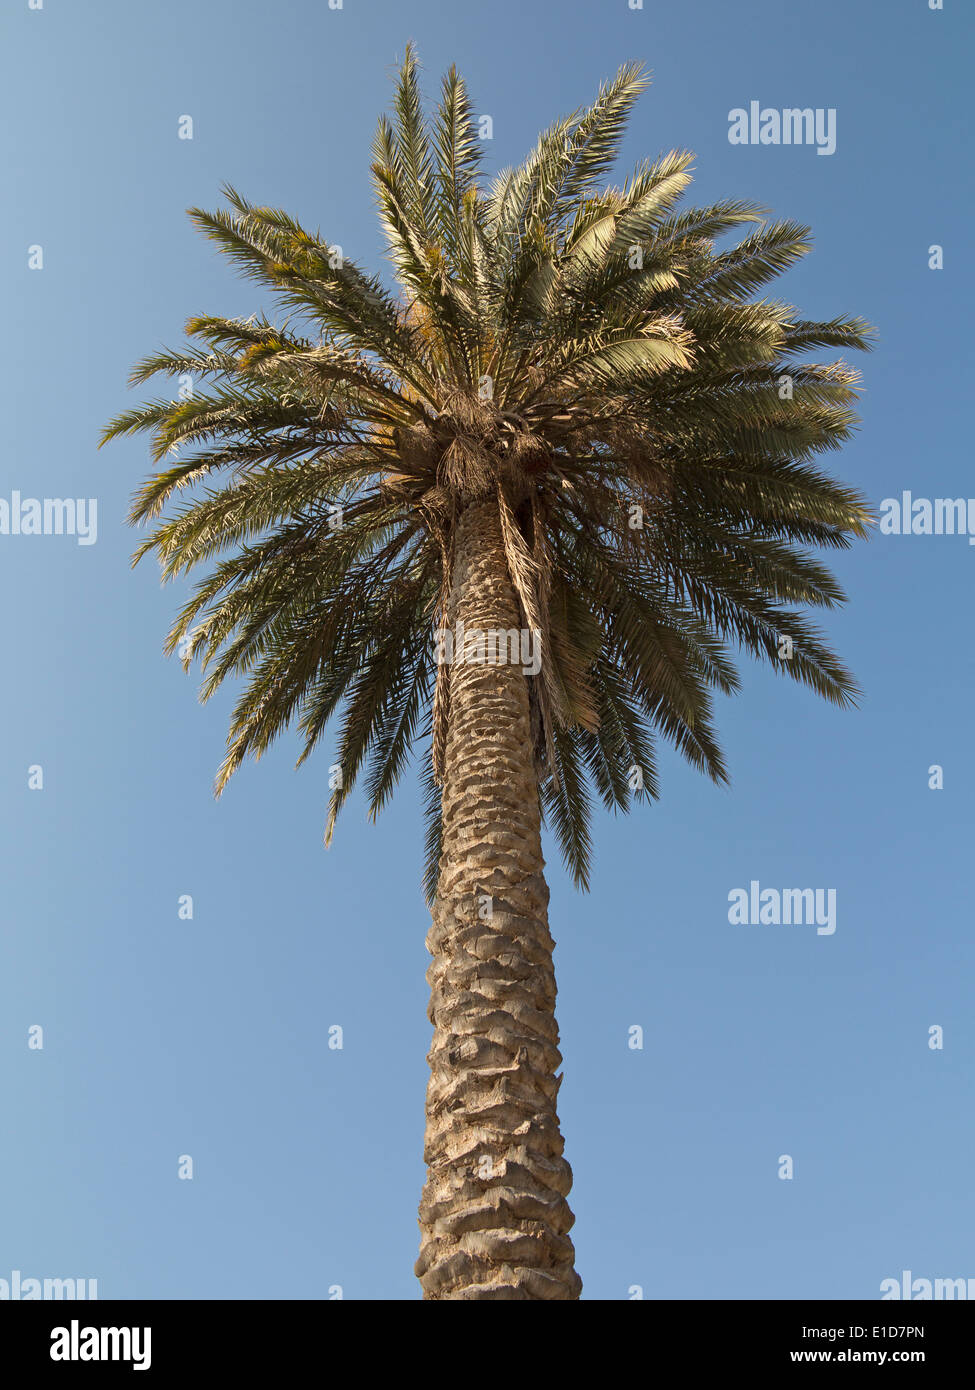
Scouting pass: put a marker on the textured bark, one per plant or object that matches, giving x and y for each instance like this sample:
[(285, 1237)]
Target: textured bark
[(494, 1218)]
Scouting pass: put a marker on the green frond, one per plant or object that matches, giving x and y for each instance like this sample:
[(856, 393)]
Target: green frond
[(433, 829), (568, 807)]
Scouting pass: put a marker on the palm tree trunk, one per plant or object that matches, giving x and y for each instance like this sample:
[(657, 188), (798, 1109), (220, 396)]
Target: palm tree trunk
[(493, 1216)]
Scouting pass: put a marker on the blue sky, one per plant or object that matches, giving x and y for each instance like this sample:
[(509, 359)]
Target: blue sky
[(209, 1036)]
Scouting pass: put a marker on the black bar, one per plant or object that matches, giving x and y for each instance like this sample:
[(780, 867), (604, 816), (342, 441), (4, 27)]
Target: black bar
[(257, 1337)]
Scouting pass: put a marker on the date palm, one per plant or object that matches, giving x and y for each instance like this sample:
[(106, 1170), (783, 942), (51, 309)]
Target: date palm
[(571, 418)]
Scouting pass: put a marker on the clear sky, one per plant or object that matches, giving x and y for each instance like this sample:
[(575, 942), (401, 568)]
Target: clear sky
[(209, 1037)]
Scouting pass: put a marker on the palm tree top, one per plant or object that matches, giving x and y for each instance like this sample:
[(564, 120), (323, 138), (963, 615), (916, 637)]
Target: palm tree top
[(584, 358)]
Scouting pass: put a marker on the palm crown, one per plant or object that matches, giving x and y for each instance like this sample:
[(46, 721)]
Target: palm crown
[(585, 357)]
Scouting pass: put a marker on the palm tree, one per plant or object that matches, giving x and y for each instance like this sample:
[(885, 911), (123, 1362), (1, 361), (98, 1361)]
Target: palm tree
[(521, 511)]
